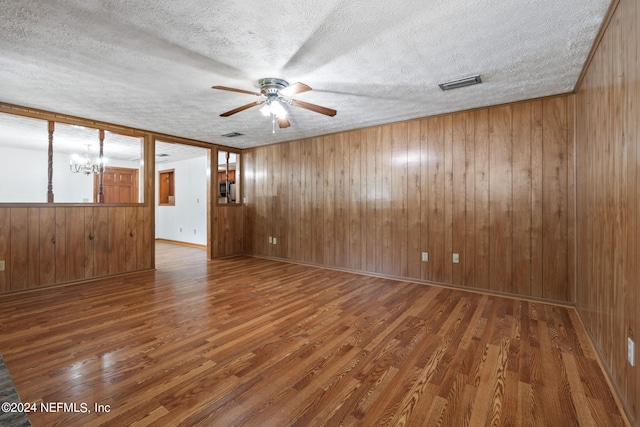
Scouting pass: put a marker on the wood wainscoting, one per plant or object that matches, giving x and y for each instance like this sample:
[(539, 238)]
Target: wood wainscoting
[(52, 245), (493, 185), (257, 342)]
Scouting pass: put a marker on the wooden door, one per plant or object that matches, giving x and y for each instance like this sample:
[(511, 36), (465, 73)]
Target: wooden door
[(120, 185)]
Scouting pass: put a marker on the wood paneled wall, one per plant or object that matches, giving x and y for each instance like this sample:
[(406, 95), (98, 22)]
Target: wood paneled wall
[(226, 236), (494, 185), (608, 197), (49, 245)]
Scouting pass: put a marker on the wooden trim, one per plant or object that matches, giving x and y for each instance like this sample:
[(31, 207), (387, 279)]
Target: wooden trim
[(178, 242), (603, 28), (123, 130), (471, 110), (76, 282), (420, 281), (617, 394)]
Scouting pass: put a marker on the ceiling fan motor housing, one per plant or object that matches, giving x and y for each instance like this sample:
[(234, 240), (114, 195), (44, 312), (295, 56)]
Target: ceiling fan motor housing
[(271, 86)]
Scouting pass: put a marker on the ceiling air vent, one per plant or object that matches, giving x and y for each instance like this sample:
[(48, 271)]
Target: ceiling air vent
[(231, 134), (469, 81), (162, 155)]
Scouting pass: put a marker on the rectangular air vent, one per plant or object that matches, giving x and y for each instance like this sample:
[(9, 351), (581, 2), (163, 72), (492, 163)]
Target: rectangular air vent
[(469, 81), (231, 134)]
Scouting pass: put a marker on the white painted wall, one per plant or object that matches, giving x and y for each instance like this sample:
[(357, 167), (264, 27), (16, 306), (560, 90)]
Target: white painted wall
[(187, 220), (23, 174)]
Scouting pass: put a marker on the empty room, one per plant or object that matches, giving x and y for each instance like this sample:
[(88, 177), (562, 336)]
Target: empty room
[(339, 213)]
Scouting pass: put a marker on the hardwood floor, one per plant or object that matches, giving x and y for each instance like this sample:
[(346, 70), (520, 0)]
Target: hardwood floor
[(248, 341)]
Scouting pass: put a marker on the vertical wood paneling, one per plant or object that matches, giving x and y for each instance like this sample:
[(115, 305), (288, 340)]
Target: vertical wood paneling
[(295, 201), (536, 199), (374, 199), (131, 230), (33, 256), (47, 246), (248, 187), (5, 249), (399, 188), (329, 202), (554, 202), (50, 245), (102, 240), (61, 244), (379, 204), (306, 195), (355, 200), (425, 196), (75, 244), (387, 198), (89, 246), (458, 202), (469, 278), (19, 248), (437, 225), (341, 213), (414, 217), (607, 190), (318, 201), (118, 230), (482, 198), (448, 199), (145, 257), (522, 198), (282, 165), (371, 207), (500, 199)]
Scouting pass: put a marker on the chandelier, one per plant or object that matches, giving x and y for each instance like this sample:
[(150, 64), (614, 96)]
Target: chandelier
[(84, 164)]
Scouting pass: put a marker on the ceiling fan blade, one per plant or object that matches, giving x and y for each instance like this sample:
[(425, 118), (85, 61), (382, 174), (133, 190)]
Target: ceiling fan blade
[(244, 107), (294, 89), (283, 122), (315, 108), (232, 89)]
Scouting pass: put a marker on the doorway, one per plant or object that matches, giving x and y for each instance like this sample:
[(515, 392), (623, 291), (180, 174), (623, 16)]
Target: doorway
[(182, 186)]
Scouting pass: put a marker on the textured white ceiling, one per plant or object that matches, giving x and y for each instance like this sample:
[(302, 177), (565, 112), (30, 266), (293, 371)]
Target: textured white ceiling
[(150, 64)]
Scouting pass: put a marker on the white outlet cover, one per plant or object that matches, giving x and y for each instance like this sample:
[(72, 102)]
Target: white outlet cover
[(1, 265), (456, 258), (631, 352), (425, 256), (275, 240), (270, 239)]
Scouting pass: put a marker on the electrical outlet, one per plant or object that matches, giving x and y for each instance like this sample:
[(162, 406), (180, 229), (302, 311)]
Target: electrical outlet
[(631, 352), (425, 256), (194, 232), (456, 258), (2, 265), (275, 240), (270, 239)]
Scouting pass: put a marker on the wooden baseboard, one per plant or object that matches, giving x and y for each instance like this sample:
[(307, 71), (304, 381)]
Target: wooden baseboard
[(177, 242), (617, 393), (424, 282)]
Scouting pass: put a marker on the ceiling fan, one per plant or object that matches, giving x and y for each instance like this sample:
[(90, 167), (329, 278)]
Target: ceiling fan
[(275, 92)]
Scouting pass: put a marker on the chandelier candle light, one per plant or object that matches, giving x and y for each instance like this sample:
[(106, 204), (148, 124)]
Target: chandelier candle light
[(85, 164)]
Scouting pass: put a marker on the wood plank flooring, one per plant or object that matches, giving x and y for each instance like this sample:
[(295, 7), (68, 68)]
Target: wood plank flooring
[(256, 342)]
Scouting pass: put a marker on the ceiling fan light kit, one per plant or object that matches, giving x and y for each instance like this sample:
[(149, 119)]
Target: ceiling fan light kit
[(276, 92)]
